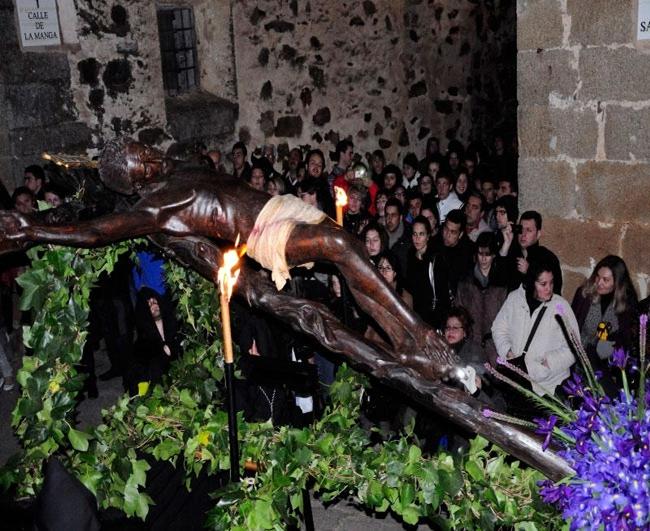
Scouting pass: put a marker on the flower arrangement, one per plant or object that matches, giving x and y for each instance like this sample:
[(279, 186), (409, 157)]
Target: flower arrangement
[(606, 440)]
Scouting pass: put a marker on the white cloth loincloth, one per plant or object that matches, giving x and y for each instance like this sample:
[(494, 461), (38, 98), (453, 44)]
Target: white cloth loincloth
[(268, 239)]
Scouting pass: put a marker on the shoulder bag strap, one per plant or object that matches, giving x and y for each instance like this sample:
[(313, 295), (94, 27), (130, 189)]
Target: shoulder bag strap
[(533, 330)]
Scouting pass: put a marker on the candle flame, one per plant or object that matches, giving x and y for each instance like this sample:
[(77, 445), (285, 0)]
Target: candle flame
[(229, 272), (341, 197)]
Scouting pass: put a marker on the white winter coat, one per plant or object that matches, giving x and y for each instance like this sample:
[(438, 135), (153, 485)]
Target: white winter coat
[(511, 329)]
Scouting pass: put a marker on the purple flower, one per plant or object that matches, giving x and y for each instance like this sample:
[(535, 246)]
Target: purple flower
[(545, 427), (643, 320), (551, 493), (487, 413), (574, 386), (619, 358)]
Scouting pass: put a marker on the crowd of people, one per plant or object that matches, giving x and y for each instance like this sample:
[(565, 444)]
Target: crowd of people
[(445, 232)]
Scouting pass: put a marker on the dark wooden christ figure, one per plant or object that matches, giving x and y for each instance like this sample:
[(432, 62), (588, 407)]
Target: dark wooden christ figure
[(196, 201)]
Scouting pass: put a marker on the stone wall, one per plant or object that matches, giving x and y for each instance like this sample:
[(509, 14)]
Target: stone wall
[(384, 73), (584, 153), (37, 112)]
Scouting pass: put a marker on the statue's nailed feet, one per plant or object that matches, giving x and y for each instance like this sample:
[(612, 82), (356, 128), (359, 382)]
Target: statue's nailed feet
[(430, 356)]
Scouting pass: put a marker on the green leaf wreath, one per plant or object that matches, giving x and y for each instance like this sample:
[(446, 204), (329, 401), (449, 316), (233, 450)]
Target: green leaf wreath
[(186, 423)]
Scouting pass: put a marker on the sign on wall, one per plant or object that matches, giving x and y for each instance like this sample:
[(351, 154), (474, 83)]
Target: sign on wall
[(38, 23), (643, 21)]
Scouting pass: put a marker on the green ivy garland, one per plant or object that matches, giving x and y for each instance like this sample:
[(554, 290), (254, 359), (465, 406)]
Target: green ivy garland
[(186, 421)]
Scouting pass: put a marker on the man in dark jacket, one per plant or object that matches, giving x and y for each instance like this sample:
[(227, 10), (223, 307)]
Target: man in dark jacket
[(455, 247), (527, 250), (399, 232)]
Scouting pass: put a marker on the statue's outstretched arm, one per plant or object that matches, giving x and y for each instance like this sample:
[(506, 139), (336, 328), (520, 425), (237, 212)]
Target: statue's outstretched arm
[(15, 227)]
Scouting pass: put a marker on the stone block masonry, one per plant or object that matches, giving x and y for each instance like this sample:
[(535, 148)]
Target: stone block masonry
[(584, 105), (385, 73)]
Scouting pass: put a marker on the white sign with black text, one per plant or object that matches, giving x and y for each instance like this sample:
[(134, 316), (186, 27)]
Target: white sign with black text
[(643, 21), (39, 23)]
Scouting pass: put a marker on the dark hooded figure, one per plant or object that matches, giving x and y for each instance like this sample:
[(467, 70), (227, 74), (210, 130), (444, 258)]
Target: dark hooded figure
[(266, 393), (156, 343)]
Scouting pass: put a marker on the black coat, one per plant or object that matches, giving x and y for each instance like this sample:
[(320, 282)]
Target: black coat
[(431, 308), (150, 361)]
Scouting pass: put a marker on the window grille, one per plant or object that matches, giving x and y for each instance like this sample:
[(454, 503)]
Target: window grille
[(178, 50)]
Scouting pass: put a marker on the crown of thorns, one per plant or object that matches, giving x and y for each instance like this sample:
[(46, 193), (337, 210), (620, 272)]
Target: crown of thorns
[(114, 167)]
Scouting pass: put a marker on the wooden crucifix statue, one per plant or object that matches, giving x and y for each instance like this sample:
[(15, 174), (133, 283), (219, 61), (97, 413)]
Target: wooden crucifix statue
[(281, 232), (193, 211)]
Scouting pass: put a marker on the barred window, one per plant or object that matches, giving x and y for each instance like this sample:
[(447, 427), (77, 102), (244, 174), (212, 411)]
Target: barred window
[(178, 49)]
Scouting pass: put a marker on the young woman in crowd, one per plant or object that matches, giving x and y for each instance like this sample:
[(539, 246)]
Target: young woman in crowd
[(427, 276), (527, 334), (606, 310), (54, 196), (462, 185), (430, 212), (399, 192), (426, 188), (388, 266), (275, 186), (483, 292), (433, 167), (458, 333), (375, 239), (356, 217)]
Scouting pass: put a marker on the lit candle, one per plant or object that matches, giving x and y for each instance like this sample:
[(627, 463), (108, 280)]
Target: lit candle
[(341, 201), (227, 279)]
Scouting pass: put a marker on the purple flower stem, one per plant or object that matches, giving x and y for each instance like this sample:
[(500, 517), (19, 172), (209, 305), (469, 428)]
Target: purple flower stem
[(509, 419), (564, 436), (626, 386), (643, 329), (560, 412)]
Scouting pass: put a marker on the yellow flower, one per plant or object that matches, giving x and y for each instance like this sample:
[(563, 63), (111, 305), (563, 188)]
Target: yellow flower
[(204, 438), (143, 387), (54, 386)]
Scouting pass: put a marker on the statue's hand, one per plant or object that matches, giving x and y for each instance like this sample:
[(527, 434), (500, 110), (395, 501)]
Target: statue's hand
[(13, 226), (434, 360)]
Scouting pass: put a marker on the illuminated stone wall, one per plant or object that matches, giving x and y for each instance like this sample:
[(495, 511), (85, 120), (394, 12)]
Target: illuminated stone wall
[(584, 146)]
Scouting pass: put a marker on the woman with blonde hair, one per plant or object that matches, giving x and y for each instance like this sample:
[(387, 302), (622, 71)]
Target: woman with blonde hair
[(606, 309)]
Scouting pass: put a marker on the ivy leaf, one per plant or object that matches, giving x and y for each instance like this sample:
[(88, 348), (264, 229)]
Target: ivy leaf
[(187, 400), (79, 439), (477, 444), (30, 291), (411, 515), (261, 516), (474, 470), (406, 494), (140, 468), (415, 454), (451, 482)]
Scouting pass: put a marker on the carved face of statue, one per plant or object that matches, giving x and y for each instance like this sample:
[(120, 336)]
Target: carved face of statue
[(143, 164)]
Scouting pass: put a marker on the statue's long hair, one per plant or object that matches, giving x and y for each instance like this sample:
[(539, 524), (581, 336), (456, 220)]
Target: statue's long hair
[(114, 167)]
